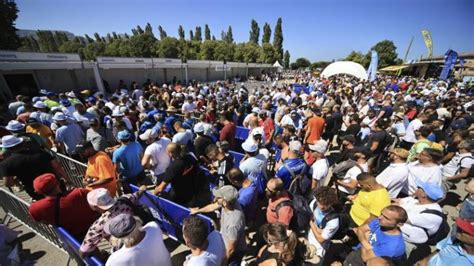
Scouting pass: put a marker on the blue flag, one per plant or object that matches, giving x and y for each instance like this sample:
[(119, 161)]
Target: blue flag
[(374, 61), (450, 58)]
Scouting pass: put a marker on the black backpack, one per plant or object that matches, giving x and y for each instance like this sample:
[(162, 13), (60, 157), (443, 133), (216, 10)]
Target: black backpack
[(142, 211), (443, 230), (344, 222), (301, 213)]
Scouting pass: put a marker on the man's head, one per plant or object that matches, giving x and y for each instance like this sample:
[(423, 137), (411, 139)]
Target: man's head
[(125, 228), (423, 132), (428, 191), (80, 108), (236, 177), (275, 188), (392, 217), (348, 140), (47, 185), (429, 155), (100, 200), (226, 196), (398, 154), (465, 231), (465, 146), (319, 148), (124, 136), (85, 149), (325, 197), (366, 181), (250, 148), (195, 232)]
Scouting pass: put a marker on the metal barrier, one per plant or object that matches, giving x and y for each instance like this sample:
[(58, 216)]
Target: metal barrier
[(74, 169), (15, 207)]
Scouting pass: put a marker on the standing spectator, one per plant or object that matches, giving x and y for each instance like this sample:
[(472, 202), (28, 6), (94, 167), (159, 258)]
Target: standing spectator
[(232, 222), (319, 169), (314, 128), (82, 116), (33, 126), (421, 143), (228, 131), (220, 162), (142, 245), (247, 194), (182, 136), (127, 160), (268, 127), (206, 248), (202, 141), (276, 193), (96, 135), (100, 172), (253, 164), (380, 237), (68, 135), (394, 177), (294, 165), (73, 213), (155, 157), (280, 246), (409, 139)]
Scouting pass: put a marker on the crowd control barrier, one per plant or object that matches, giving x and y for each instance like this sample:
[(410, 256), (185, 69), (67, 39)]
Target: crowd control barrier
[(75, 170), (241, 133), (17, 208), (237, 157)]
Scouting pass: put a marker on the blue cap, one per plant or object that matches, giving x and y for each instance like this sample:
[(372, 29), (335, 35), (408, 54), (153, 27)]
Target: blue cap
[(91, 99), (124, 135), (65, 103), (50, 94), (432, 190)]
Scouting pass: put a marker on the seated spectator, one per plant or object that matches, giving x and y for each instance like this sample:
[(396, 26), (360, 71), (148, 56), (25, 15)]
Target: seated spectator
[(426, 169), (347, 186), (141, 245), (155, 157), (324, 224), (424, 214), (369, 202), (253, 164), (466, 208), (73, 212), (101, 202), (276, 193), (421, 143), (380, 238), (458, 252), (232, 222), (100, 170), (280, 246), (319, 169), (247, 194), (460, 165), (206, 248), (394, 177), (202, 141), (190, 187), (293, 166)]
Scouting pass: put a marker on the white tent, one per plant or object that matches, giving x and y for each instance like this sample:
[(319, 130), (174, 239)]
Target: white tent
[(345, 67), (278, 66)]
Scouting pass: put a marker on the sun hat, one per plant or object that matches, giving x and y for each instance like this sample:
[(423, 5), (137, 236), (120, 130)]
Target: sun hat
[(319, 146), (14, 125), (9, 141), (100, 198)]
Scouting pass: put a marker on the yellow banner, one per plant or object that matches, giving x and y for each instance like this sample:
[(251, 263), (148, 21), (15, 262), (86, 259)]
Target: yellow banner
[(428, 42)]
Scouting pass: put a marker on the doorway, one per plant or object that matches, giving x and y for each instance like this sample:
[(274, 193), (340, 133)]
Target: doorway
[(23, 84)]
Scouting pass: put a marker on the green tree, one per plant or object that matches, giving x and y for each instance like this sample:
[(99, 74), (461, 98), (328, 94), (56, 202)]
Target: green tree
[(224, 50), (267, 54), (207, 33), (229, 38), (286, 59), (198, 34), (191, 35), (358, 57), (213, 37), (168, 47), (89, 39), (134, 32), (300, 63), (319, 64), (181, 32), (387, 52), (251, 52), (149, 29), (223, 35), (72, 46), (267, 32), (92, 50), (114, 35), (142, 45), (97, 37), (278, 39), (254, 32), (113, 48), (208, 50), (162, 32), (140, 30), (8, 14), (60, 38), (239, 52), (125, 49)]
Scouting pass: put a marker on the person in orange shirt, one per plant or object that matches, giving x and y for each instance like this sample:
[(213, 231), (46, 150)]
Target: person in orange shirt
[(34, 127), (314, 128), (100, 172)]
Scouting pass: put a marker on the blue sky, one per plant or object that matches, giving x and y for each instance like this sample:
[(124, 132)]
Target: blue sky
[(315, 29)]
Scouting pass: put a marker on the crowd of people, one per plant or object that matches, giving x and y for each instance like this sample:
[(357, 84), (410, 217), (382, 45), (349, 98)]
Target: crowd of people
[(340, 172)]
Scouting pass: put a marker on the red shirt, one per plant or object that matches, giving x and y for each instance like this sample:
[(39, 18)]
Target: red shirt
[(228, 134), (75, 215), (285, 213), (268, 127)]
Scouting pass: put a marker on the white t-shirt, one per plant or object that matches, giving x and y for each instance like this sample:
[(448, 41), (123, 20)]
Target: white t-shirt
[(212, 256), (452, 166), (327, 233), (393, 178), (352, 175), (412, 230), (188, 107), (416, 170), (319, 171), (183, 138), (159, 156), (150, 251), (410, 132)]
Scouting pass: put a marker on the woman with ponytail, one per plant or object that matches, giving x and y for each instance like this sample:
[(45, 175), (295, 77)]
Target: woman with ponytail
[(280, 248)]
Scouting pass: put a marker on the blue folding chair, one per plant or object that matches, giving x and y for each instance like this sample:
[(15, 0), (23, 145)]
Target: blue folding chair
[(241, 133), (72, 246)]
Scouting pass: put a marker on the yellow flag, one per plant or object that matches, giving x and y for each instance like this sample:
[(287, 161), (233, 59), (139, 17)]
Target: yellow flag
[(428, 42)]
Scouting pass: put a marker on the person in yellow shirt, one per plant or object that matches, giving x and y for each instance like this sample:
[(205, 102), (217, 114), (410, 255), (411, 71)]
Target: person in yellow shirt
[(34, 127), (100, 172), (370, 201)]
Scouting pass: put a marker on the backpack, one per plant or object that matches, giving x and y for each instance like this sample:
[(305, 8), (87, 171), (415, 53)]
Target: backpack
[(139, 210), (344, 222), (443, 230), (340, 169), (460, 166), (301, 213), (300, 184)]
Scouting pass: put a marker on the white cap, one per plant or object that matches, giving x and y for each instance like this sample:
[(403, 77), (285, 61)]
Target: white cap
[(39, 104), (249, 146), (256, 110), (14, 125), (148, 134), (295, 145), (100, 198), (319, 146), (59, 116), (71, 94), (117, 112), (199, 128)]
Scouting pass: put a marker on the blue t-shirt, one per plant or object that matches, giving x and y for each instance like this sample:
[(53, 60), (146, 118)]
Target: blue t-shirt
[(128, 157), (169, 121), (70, 135), (383, 244), (297, 165), (248, 201), (451, 254)]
